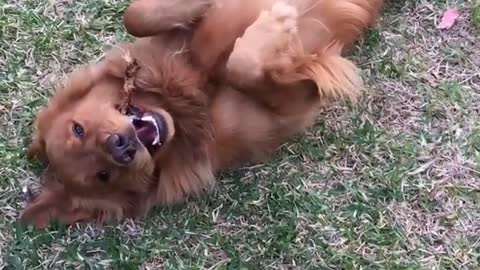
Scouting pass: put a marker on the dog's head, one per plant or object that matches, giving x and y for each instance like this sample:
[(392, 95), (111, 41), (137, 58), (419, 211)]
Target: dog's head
[(100, 158)]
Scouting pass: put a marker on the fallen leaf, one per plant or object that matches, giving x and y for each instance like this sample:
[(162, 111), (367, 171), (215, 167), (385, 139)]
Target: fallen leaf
[(449, 18)]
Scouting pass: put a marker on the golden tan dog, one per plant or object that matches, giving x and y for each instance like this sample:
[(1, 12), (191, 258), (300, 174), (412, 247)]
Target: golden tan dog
[(221, 83)]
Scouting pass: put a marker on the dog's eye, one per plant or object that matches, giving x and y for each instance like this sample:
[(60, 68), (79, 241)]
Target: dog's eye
[(103, 176), (78, 130)]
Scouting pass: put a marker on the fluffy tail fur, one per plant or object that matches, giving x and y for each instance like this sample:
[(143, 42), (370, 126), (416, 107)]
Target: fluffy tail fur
[(322, 22), (325, 29), (335, 76)]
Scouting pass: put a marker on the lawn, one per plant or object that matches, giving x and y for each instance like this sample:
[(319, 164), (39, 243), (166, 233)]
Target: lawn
[(390, 183)]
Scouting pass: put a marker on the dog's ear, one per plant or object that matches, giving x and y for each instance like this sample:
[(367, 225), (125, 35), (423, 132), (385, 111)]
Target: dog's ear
[(51, 206), (52, 203), (42, 210), (42, 205)]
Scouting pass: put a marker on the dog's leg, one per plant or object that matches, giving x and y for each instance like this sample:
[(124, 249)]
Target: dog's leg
[(150, 17), (281, 48), (265, 44)]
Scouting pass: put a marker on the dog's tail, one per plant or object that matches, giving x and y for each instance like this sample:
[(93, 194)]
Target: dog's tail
[(335, 76), (326, 28), (322, 22)]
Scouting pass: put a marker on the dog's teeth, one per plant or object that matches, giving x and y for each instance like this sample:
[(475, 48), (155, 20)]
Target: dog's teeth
[(157, 140), (150, 119), (132, 117)]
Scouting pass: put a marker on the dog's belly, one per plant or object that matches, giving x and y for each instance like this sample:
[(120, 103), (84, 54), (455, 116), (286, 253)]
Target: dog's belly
[(245, 131)]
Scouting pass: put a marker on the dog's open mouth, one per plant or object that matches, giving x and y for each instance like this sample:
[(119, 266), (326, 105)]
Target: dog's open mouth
[(150, 127)]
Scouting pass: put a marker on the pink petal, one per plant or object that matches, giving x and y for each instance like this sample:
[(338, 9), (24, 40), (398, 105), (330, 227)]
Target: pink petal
[(448, 19)]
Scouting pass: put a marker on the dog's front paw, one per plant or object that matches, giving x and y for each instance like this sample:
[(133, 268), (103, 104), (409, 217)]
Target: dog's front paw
[(264, 42)]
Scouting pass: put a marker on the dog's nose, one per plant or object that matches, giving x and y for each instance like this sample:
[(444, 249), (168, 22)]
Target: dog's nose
[(122, 148)]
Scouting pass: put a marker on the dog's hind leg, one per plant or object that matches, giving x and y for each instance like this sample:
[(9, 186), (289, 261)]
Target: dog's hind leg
[(151, 17), (277, 51), (303, 40)]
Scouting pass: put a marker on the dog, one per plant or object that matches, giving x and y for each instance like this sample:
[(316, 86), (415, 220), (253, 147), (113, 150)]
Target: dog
[(221, 83)]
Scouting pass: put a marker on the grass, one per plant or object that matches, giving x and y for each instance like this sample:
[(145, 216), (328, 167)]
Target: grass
[(392, 183), (476, 14)]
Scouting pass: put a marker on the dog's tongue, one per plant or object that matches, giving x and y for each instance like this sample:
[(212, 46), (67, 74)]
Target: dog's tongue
[(146, 130), (147, 134)]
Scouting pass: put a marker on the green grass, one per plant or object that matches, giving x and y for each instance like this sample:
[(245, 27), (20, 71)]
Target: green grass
[(392, 183), (476, 14)]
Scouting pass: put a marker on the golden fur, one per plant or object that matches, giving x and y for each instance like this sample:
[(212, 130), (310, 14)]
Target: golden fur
[(233, 79)]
